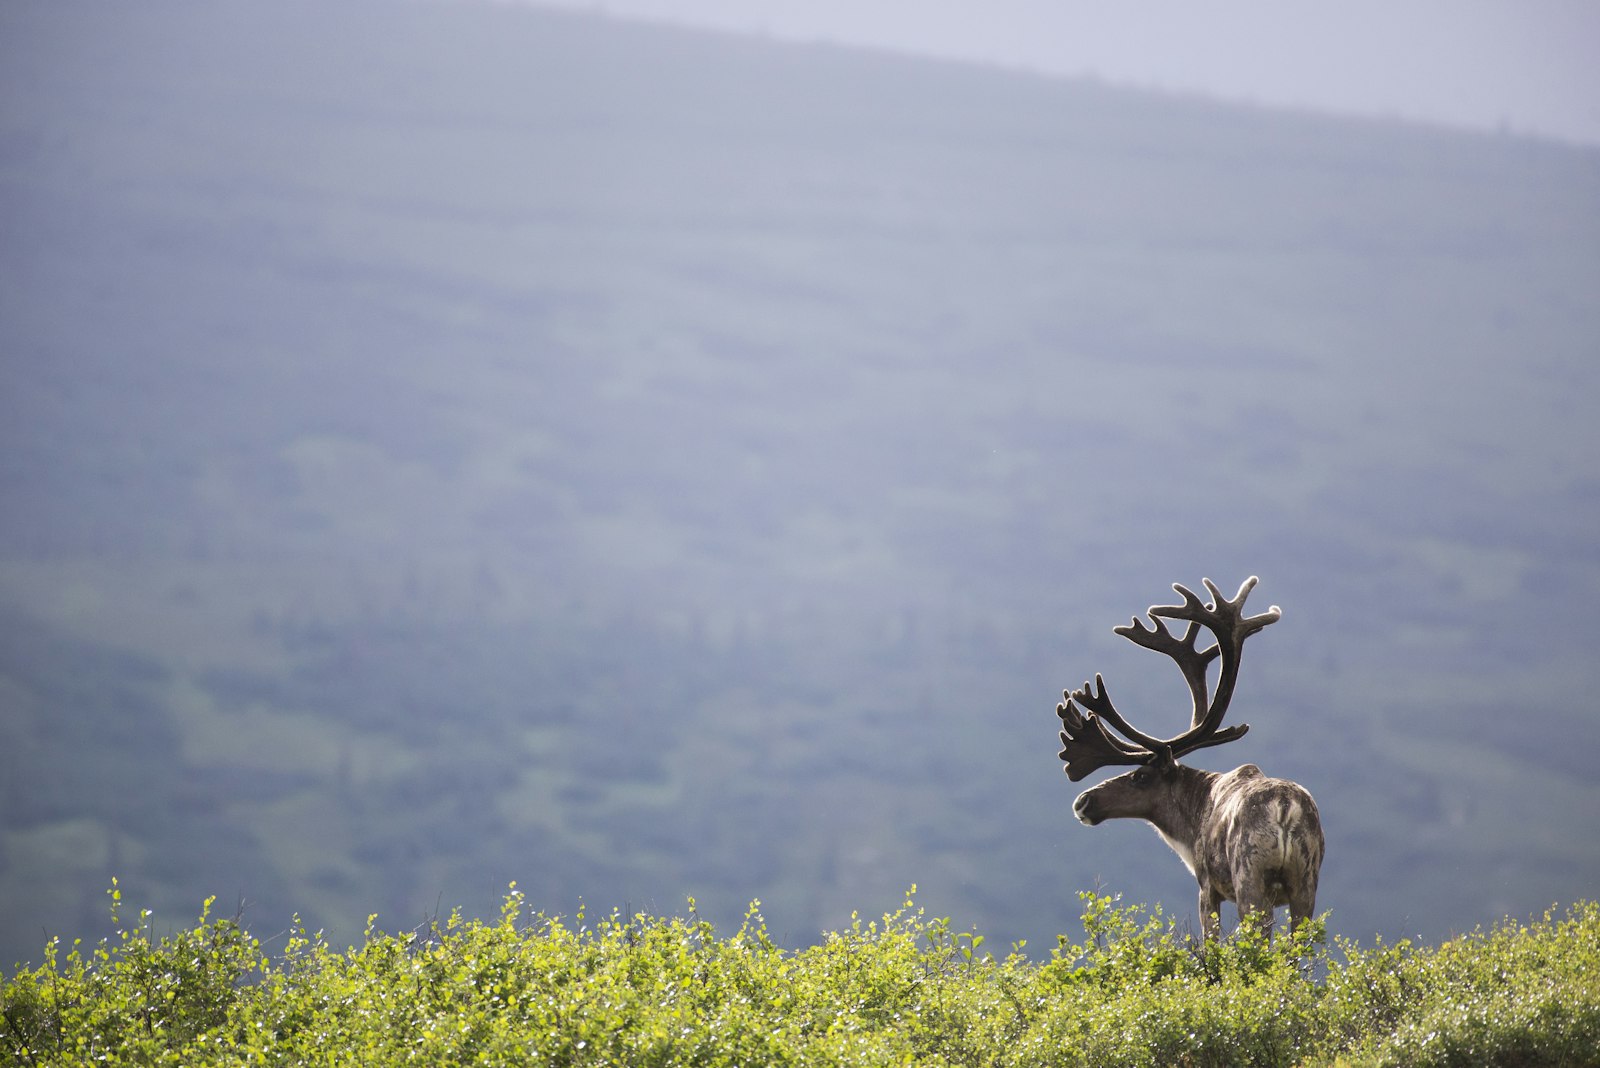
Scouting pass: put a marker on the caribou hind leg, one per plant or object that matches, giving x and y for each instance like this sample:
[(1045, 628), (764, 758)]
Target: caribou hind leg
[(1255, 904), (1303, 902)]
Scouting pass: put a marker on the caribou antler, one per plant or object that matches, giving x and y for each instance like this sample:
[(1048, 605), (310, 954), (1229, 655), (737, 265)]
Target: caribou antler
[(1087, 744)]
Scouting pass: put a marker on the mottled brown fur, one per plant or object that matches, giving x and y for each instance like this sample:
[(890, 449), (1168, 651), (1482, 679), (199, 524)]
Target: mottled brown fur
[(1247, 838)]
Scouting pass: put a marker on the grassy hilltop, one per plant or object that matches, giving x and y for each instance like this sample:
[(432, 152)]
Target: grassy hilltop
[(638, 990)]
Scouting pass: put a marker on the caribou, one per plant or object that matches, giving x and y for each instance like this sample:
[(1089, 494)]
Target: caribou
[(1245, 837)]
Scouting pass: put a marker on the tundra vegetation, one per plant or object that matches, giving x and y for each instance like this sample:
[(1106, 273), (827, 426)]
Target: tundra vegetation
[(645, 990)]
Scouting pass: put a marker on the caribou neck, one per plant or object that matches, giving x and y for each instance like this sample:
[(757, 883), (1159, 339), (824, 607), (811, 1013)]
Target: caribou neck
[(1185, 810)]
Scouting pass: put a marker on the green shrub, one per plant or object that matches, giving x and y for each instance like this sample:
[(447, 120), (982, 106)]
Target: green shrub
[(133, 1000), (642, 990), (1516, 995)]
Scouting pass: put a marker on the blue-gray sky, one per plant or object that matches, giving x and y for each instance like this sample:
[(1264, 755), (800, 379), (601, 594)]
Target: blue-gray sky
[(1532, 66)]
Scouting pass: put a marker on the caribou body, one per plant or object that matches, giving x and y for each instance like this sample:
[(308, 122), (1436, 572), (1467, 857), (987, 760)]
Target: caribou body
[(1247, 838)]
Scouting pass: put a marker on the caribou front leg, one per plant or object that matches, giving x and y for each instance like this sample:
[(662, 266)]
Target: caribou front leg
[(1210, 912)]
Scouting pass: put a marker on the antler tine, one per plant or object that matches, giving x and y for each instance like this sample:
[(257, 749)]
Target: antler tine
[(1228, 623), (1098, 703), (1077, 720), (1220, 610), (1191, 661), (1086, 745)]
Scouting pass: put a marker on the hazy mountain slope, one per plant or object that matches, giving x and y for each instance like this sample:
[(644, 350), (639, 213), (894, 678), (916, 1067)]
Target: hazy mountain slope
[(450, 444)]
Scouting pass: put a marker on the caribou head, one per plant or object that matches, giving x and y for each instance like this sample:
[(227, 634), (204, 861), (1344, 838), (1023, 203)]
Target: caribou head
[(1246, 838)]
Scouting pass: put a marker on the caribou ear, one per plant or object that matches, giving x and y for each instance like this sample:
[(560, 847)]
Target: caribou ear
[(1164, 760)]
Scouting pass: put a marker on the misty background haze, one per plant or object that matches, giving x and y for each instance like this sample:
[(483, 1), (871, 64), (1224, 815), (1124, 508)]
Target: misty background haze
[(451, 443), (1482, 64)]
